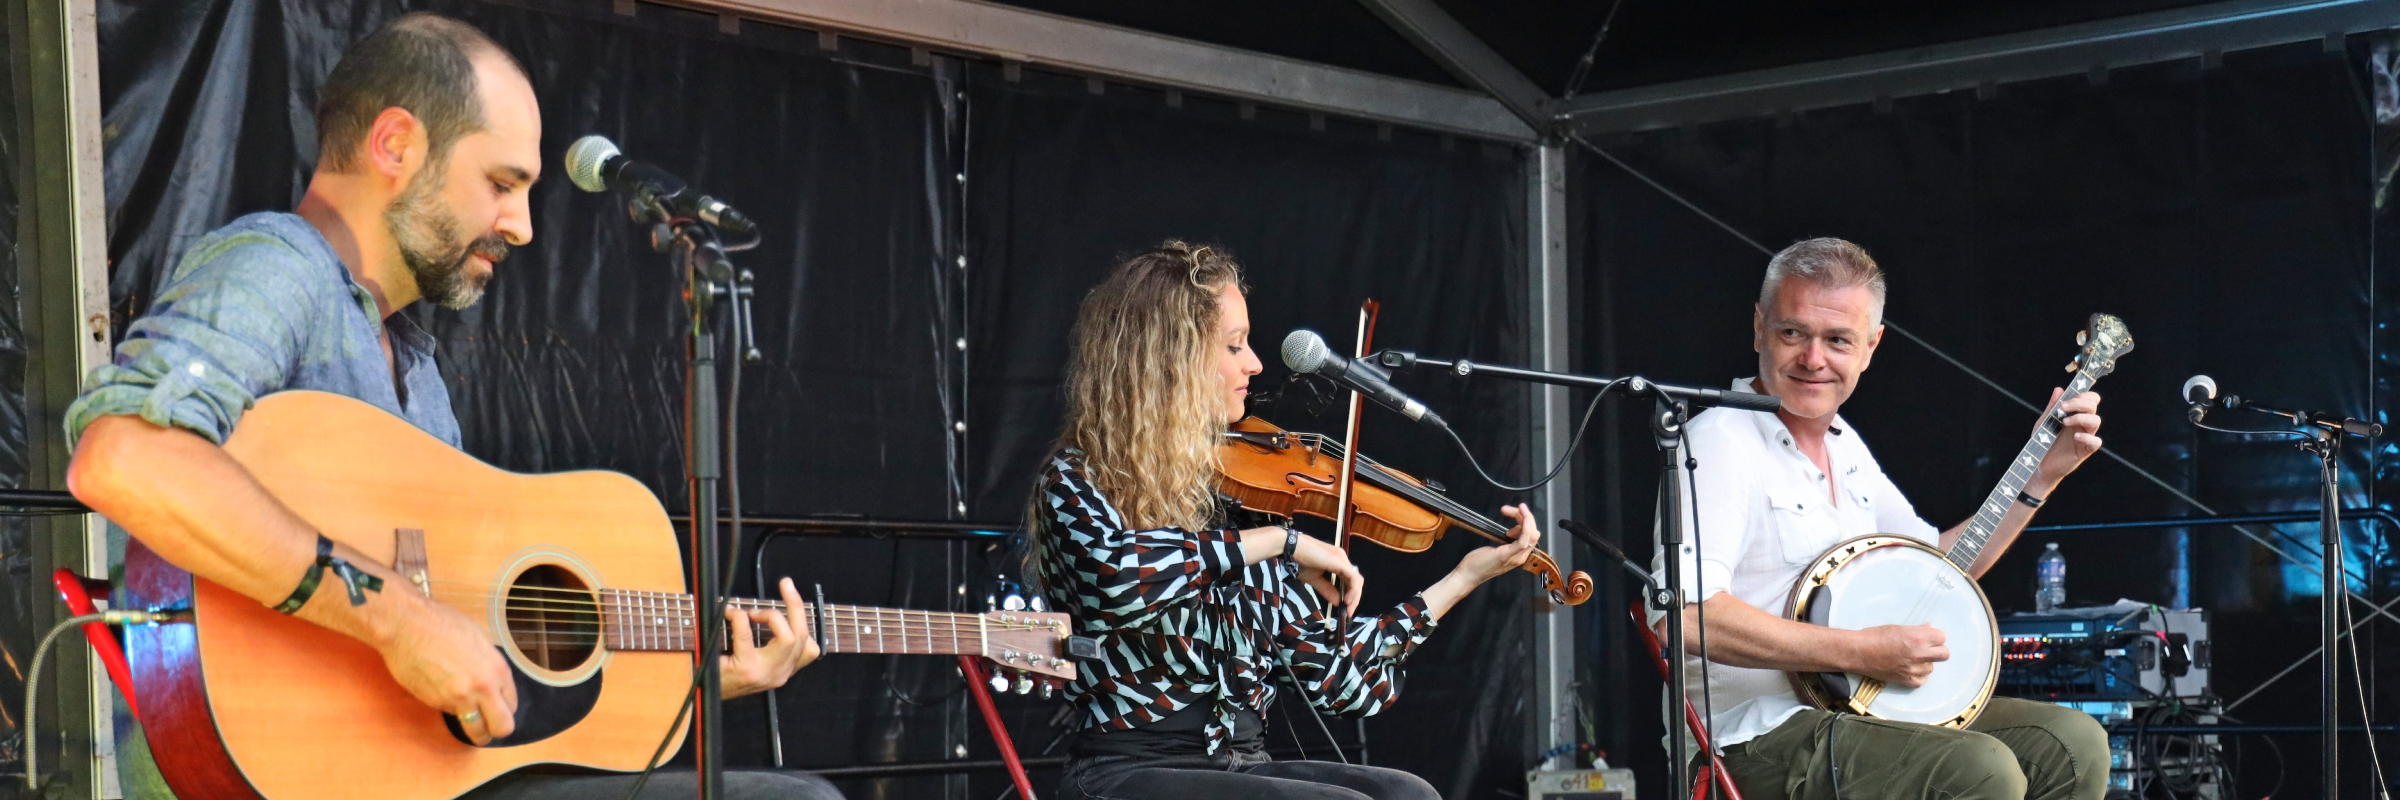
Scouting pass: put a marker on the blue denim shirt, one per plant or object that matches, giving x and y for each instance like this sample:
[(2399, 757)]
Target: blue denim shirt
[(257, 307)]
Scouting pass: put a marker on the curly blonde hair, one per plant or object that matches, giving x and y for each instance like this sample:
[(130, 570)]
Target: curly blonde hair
[(1142, 390)]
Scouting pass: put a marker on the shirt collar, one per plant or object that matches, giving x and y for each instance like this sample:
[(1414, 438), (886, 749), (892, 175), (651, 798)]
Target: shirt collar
[(1770, 426), (408, 333)]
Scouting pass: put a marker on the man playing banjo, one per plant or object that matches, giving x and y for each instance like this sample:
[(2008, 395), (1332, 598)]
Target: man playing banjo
[(1772, 493)]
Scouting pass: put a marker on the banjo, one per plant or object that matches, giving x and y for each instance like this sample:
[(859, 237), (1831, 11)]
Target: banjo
[(1886, 579)]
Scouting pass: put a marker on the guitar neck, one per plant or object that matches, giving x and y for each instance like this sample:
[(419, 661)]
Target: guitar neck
[(666, 621), (1978, 532)]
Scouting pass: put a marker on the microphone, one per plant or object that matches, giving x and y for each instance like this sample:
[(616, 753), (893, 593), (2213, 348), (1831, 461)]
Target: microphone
[(2199, 392), (1305, 351), (595, 165)]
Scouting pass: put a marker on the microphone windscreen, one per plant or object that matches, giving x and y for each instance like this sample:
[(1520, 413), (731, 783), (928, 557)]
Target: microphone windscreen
[(1304, 351), (2200, 389), (584, 159)]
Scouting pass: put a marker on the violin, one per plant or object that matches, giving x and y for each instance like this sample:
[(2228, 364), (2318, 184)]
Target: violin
[(1274, 471)]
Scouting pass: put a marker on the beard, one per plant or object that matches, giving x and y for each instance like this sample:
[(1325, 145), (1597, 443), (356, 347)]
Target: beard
[(427, 234)]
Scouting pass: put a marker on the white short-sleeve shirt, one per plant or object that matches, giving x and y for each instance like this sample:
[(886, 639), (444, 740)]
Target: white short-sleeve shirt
[(1764, 512)]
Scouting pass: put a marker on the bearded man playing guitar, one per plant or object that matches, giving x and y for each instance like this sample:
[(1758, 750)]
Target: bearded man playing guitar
[(1772, 493), (429, 138)]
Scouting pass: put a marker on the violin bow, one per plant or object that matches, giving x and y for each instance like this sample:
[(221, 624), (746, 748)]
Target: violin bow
[(1367, 313)]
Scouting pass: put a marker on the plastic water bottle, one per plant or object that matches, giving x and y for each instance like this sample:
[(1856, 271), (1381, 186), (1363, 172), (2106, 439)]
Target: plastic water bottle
[(2050, 581)]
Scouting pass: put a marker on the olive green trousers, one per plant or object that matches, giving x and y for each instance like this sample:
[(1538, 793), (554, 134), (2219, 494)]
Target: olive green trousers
[(2018, 749)]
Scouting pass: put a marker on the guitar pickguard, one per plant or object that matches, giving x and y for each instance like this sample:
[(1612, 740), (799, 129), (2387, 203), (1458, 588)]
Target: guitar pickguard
[(543, 710)]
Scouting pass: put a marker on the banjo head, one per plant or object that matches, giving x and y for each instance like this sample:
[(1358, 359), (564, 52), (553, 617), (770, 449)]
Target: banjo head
[(1884, 579)]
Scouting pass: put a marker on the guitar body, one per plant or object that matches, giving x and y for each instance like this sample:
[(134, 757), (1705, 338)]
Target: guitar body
[(246, 702)]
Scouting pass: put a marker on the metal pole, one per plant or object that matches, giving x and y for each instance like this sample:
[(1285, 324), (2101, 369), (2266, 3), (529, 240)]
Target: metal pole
[(62, 271), (707, 470), (2329, 449), (1553, 720), (1666, 427)]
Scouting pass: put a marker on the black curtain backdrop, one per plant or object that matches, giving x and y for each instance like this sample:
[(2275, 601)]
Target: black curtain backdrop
[(930, 227), (19, 587), (2222, 213)]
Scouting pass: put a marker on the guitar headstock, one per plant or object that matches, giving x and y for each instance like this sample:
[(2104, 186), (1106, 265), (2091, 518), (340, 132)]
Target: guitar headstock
[(2103, 340), (1029, 641)]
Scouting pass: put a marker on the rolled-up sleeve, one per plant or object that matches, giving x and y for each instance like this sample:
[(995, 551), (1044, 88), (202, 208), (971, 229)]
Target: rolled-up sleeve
[(1724, 493), (225, 330)]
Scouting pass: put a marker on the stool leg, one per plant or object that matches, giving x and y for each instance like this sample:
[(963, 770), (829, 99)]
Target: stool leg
[(973, 672)]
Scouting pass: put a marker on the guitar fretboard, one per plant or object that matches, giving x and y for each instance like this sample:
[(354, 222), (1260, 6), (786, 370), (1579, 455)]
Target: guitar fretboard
[(666, 621), (1987, 517)]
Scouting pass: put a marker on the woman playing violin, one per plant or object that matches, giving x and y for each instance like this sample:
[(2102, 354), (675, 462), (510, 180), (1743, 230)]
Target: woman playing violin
[(1197, 604)]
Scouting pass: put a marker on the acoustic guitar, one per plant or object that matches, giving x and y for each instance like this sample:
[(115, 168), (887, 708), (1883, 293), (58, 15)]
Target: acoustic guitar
[(578, 575)]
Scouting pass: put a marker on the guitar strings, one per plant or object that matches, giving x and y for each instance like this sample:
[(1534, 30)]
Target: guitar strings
[(578, 602), (850, 641), (841, 617), (857, 630)]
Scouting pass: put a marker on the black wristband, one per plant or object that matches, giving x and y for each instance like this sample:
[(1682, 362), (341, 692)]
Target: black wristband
[(1291, 542), (358, 582), (2029, 500)]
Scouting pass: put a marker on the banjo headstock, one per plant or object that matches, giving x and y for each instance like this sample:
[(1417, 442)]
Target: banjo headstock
[(2103, 340)]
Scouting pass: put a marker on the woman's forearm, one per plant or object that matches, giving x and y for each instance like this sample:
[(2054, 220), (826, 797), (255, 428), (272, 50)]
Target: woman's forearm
[(1260, 544), (1447, 592)]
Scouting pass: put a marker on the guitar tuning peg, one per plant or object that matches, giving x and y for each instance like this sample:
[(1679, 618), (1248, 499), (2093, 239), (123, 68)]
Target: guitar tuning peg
[(999, 681), (1036, 603), (1024, 684), (2074, 365), (2080, 336), (991, 603), (1013, 602), (1048, 689)]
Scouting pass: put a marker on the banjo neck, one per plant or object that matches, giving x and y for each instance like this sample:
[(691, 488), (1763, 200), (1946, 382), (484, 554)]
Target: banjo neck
[(1978, 532)]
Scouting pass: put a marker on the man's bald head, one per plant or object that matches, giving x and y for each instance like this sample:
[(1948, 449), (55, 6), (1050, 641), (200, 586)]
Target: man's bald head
[(424, 63)]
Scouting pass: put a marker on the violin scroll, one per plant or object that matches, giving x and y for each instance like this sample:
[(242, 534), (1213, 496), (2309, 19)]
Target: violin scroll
[(1578, 587)]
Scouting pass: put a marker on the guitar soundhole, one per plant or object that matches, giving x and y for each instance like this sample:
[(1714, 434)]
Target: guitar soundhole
[(553, 618)]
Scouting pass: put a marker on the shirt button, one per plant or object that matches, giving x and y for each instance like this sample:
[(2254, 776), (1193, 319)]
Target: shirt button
[(197, 369)]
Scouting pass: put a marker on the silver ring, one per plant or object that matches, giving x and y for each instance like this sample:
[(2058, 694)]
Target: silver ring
[(470, 717)]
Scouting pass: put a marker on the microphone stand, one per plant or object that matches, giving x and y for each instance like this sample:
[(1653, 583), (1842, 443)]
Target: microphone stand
[(692, 248), (1673, 412), (1666, 431), (2326, 443), (2322, 435)]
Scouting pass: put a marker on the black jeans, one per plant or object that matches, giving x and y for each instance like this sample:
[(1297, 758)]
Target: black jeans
[(663, 785), (1234, 775)]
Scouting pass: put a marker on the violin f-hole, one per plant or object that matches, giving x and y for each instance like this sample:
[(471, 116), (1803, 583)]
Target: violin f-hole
[(1296, 477)]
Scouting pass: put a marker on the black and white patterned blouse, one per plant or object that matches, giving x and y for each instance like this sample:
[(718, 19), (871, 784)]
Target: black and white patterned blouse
[(1182, 621)]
